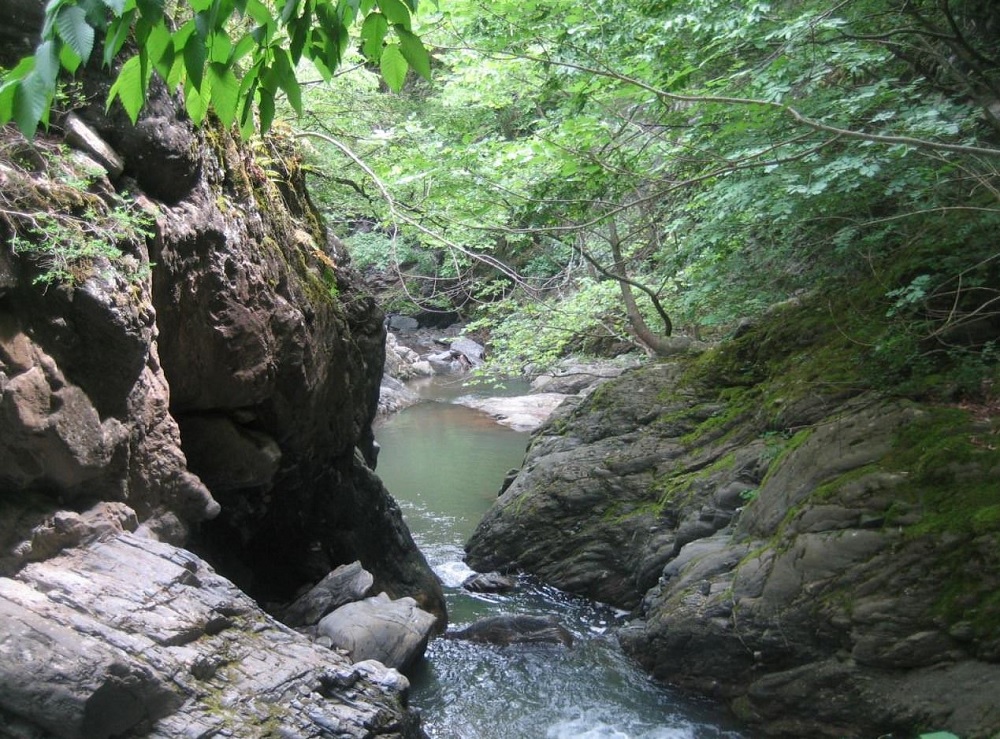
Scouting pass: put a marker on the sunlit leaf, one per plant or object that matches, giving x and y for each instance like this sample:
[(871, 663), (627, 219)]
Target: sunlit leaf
[(129, 88), (396, 12), (414, 52), (393, 67), (373, 32), (75, 31)]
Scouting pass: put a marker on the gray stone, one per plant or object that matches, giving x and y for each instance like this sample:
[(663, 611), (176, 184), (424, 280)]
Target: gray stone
[(85, 138), (521, 413), (394, 632), (507, 630), (133, 637), (403, 324), (345, 584), (471, 350), (489, 582)]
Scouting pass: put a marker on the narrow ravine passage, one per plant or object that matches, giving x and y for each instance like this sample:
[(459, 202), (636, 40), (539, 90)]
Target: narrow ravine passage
[(444, 463)]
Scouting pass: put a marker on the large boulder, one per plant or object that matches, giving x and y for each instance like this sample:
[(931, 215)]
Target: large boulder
[(393, 632), (346, 584)]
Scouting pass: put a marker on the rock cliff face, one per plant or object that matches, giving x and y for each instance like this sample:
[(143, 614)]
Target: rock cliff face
[(822, 557), (221, 399)]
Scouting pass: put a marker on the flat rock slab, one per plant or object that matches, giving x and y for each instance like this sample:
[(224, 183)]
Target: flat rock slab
[(521, 413), (132, 636)]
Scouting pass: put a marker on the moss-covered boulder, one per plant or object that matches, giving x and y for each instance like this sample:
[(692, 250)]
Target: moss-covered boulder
[(822, 555)]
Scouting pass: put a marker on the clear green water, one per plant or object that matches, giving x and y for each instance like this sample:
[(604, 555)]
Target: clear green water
[(444, 463)]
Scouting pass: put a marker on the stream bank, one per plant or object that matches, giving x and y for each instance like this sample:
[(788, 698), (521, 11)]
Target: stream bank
[(162, 427), (444, 462), (821, 556)]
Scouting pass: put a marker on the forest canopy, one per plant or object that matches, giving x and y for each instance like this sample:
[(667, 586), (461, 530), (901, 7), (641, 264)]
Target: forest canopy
[(627, 174), (713, 157)]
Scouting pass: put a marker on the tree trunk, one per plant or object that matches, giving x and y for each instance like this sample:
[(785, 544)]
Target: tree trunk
[(660, 344)]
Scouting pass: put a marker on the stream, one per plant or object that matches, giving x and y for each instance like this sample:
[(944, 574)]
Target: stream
[(444, 464)]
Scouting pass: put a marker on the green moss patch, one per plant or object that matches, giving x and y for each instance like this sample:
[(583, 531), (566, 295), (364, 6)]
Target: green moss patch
[(950, 473)]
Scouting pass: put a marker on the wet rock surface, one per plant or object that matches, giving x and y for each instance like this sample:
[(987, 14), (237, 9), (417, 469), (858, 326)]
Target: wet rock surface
[(132, 637), (507, 630)]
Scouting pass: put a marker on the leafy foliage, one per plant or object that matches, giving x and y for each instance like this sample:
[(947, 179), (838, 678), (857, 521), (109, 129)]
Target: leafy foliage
[(741, 153), (230, 56)]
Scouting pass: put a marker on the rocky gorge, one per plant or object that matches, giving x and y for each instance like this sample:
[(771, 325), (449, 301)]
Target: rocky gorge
[(187, 434), (214, 408), (820, 555)]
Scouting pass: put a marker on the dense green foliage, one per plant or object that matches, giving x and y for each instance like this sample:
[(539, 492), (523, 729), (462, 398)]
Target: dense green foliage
[(735, 153), (228, 55)]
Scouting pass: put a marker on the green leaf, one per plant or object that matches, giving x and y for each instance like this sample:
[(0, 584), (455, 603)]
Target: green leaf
[(414, 52), (11, 83), (115, 6), (393, 66), (259, 12), (288, 10), (71, 23), (396, 12), (31, 102), (299, 33), (96, 14), (151, 10), (47, 63), (194, 59), (248, 89), (286, 80), (220, 47), (159, 47), (68, 59), (373, 32), (129, 88), (225, 92), (266, 108), (196, 99), (115, 37), (243, 47)]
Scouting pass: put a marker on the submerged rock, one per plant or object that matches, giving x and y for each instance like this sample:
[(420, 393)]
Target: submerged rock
[(489, 582), (506, 630), (131, 637)]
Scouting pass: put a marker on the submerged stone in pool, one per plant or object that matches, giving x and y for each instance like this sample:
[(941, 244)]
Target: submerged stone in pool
[(506, 630)]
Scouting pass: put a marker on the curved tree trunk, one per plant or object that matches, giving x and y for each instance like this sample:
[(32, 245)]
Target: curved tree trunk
[(662, 344)]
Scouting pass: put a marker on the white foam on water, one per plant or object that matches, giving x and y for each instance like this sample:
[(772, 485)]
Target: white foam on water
[(583, 727), (452, 574)]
